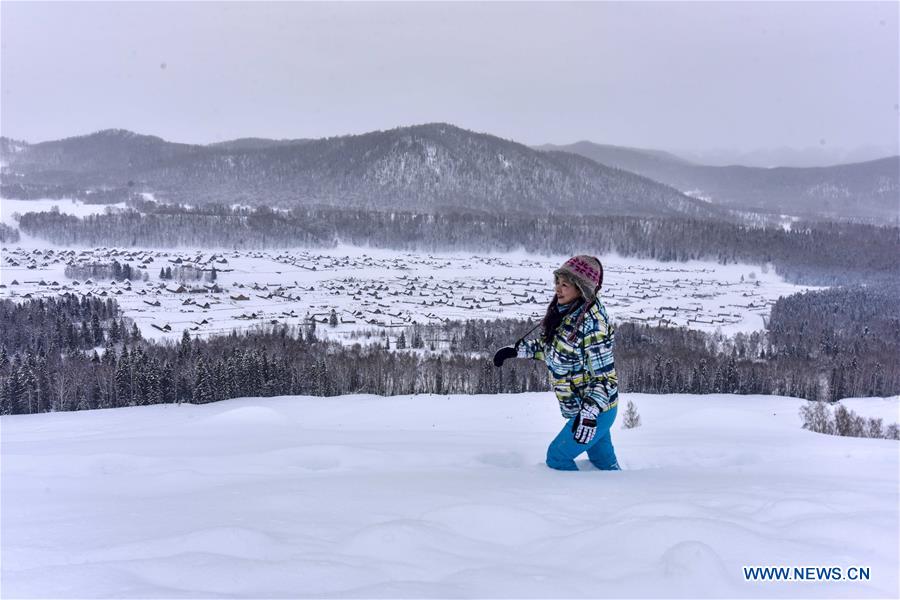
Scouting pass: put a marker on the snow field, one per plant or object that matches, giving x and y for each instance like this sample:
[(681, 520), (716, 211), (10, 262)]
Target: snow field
[(440, 496)]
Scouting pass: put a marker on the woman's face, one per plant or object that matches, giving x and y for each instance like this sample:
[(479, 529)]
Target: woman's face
[(565, 290)]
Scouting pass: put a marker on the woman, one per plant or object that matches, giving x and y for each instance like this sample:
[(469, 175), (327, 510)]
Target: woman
[(577, 345)]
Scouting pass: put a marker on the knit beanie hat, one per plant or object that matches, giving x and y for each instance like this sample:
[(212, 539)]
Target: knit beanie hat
[(586, 273)]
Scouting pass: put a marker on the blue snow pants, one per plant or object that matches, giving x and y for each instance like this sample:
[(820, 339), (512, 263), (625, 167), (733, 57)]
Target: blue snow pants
[(563, 449)]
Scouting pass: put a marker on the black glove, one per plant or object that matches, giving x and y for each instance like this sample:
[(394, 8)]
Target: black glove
[(585, 425), (504, 353)]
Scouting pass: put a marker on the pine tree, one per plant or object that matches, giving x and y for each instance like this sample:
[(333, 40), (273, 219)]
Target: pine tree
[(263, 371), (702, 377), (81, 399), (123, 379), (732, 377), (203, 391), (183, 390), (71, 336), (96, 330), (167, 384), (12, 392), (333, 319), (485, 379), (152, 383), (219, 380), (109, 355), (232, 387), (250, 375), (669, 386), (323, 383), (719, 384), (184, 349), (4, 396), (632, 419), (42, 379), (85, 334), (29, 387), (401, 341), (95, 395), (138, 377)]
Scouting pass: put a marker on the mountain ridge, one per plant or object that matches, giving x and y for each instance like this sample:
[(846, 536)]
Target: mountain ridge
[(431, 167), (868, 190)]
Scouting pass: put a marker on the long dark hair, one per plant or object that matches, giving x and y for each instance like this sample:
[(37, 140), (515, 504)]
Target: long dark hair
[(553, 317)]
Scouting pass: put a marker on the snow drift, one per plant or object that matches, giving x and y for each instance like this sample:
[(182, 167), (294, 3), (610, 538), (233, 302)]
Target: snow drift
[(440, 496)]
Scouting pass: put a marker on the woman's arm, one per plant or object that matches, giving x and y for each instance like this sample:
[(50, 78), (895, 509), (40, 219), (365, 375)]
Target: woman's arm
[(531, 349), (598, 340)]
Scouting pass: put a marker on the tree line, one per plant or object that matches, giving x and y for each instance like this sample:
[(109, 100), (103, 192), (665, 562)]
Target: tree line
[(69, 353), (8, 234), (113, 271), (818, 417), (92, 195), (63, 324), (807, 253)]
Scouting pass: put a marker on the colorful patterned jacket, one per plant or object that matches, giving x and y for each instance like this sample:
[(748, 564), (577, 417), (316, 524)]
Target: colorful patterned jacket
[(583, 368)]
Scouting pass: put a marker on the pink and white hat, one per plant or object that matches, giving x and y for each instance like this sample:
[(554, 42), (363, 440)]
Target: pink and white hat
[(586, 273)]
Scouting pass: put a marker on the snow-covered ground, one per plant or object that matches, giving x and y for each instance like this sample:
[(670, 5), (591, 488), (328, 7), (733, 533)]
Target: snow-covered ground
[(66, 206), (435, 496)]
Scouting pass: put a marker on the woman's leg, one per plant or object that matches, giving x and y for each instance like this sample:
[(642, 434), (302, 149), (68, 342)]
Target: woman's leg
[(564, 449), (601, 453)]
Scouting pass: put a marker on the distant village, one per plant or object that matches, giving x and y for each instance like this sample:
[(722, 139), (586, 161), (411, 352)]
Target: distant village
[(234, 290)]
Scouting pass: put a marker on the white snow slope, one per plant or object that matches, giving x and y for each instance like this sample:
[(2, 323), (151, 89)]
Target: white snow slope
[(437, 496)]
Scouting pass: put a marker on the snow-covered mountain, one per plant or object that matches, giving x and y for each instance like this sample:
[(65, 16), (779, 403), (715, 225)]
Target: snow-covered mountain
[(432, 167), (820, 155), (69, 160), (255, 143), (860, 191), (436, 496)]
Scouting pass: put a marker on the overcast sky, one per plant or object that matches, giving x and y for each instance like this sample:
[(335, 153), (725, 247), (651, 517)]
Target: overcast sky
[(659, 75)]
